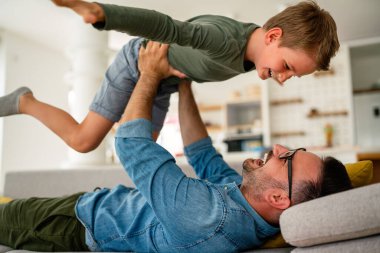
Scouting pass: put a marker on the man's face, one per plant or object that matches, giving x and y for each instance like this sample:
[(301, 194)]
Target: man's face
[(282, 63), (262, 174)]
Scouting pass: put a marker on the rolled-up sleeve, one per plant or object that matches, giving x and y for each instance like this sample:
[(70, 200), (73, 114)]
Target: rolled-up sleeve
[(208, 164)]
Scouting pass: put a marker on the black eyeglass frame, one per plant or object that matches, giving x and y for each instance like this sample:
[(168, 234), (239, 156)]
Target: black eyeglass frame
[(288, 155)]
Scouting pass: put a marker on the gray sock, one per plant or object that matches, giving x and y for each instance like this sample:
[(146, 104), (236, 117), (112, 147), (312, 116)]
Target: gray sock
[(9, 104)]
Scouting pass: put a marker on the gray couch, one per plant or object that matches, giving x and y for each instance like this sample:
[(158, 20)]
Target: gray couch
[(344, 222)]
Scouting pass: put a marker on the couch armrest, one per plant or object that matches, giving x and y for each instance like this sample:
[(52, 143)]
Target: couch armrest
[(342, 216)]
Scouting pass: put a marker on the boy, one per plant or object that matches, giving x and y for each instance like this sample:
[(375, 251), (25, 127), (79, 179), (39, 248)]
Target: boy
[(295, 42)]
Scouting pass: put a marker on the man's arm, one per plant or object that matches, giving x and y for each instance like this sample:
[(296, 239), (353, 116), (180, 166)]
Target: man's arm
[(167, 190), (192, 126), (206, 161)]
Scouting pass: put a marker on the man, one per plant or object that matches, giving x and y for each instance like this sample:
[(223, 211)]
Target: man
[(168, 212)]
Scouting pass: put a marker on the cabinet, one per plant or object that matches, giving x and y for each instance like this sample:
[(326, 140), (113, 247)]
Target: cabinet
[(240, 123), (365, 73), (243, 126)]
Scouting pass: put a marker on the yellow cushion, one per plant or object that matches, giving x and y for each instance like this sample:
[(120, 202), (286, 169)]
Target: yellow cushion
[(4, 200), (276, 241), (360, 174)]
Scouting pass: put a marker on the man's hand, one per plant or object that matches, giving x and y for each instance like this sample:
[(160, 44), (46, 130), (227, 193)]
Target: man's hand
[(154, 66), (153, 62)]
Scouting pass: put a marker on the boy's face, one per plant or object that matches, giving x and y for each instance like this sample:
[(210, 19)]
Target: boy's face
[(282, 63)]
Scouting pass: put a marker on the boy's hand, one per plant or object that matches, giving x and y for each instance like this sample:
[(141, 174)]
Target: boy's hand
[(153, 62), (90, 12)]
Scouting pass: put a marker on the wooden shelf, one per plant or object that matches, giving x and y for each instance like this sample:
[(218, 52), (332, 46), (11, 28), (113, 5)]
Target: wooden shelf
[(288, 134), (369, 90), (323, 73), (318, 114), (207, 108), (286, 101), (214, 128)]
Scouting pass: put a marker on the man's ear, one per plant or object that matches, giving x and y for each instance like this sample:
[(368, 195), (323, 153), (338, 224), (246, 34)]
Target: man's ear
[(273, 35), (277, 198)]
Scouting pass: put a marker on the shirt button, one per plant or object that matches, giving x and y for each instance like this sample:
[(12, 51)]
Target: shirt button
[(225, 187)]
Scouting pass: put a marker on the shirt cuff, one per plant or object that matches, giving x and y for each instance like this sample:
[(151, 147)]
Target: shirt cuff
[(141, 128), (195, 147), (101, 25)]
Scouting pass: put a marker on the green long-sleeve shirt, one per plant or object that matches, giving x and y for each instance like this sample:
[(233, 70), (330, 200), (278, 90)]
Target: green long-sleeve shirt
[(206, 48)]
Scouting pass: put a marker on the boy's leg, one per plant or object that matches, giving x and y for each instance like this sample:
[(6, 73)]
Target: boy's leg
[(106, 108), (42, 224), (82, 137)]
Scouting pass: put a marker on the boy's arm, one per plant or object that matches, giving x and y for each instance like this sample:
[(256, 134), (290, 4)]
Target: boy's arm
[(206, 161), (156, 26)]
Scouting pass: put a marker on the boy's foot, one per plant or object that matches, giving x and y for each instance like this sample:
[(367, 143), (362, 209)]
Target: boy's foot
[(9, 104), (90, 12)]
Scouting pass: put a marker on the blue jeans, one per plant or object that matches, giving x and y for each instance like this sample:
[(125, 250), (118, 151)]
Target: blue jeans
[(119, 82)]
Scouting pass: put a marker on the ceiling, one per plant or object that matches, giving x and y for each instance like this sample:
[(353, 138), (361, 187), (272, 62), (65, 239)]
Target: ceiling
[(42, 21)]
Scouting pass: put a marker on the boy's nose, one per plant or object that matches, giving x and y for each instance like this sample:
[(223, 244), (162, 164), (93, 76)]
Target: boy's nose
[(282, 77)]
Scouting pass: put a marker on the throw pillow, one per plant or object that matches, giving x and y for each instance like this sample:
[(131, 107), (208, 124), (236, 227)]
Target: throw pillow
[(360, 174), (4, 200), (344, 216)]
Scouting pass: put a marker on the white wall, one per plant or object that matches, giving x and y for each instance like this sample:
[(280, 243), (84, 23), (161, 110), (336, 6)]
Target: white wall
[(328, 93), (2, 88), (27, 144), (365, 64)]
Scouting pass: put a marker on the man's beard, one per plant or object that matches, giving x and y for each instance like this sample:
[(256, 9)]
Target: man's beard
[(257, 180), (262, 182)]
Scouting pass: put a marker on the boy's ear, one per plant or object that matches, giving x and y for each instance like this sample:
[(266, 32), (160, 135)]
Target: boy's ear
[(273, 35), (277, 198)]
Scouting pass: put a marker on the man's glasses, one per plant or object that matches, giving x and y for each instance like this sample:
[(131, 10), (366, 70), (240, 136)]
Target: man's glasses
[(289, 157)]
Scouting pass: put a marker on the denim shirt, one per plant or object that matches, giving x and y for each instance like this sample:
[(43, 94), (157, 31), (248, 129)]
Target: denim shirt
[(169, 212)]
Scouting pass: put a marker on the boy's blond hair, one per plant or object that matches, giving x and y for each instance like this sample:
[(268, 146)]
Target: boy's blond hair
[(307, 27)]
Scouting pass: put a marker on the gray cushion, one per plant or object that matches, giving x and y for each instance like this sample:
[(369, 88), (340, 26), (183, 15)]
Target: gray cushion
[(59, 182), (346, 215), (4, 248), (366, 244)]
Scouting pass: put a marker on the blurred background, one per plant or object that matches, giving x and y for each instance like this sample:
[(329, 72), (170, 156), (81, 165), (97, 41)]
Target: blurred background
[(332, 113)]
